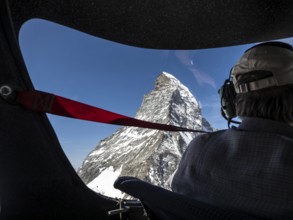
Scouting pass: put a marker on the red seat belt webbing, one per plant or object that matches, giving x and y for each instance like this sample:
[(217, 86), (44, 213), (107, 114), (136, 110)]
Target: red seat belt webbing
[(57, 105)]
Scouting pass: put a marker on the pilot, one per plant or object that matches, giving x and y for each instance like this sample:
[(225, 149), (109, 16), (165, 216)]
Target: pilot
[(248, 168)]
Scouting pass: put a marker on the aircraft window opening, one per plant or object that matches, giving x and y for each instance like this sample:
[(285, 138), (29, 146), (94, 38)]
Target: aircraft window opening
[(178, 87)]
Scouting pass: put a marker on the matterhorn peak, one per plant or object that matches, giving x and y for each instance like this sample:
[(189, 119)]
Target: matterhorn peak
[(169, 98), (166, 79), (150, 155)]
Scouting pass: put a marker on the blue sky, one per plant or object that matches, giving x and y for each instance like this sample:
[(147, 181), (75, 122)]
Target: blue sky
[(115, 77)]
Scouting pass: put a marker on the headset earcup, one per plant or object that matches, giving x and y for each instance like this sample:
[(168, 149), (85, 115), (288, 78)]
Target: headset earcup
[(227, 94)]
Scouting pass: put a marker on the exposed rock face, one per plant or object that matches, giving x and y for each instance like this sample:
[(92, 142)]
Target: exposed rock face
[(206, 126), (150, 155)]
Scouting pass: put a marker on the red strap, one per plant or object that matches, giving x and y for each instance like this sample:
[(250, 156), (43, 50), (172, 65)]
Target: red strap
[(57, 105)]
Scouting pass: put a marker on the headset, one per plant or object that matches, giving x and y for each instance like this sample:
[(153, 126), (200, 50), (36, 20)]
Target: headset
[(227, 90), (227, 98)]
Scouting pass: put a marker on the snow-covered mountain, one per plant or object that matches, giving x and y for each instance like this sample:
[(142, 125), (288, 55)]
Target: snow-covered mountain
[(150, 155)]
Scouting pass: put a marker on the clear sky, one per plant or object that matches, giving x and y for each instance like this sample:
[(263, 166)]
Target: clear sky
[(115, 77)]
